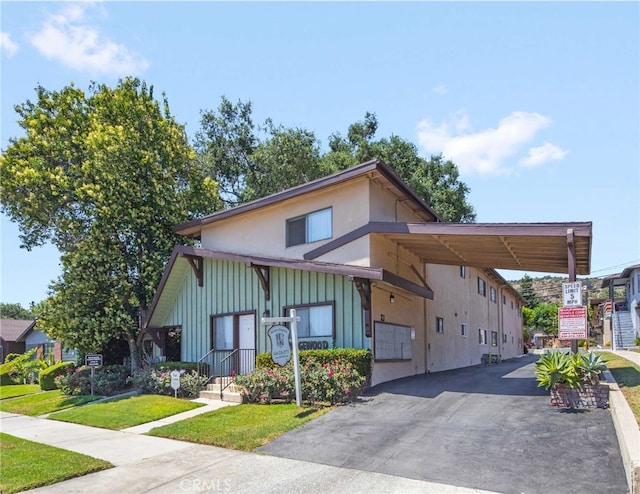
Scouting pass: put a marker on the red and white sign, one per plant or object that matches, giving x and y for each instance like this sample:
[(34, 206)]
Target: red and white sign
[(572, 323)]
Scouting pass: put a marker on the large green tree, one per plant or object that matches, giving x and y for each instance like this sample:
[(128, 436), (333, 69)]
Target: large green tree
[(251, 161), (104, 176), (14, 311), (435, 181)]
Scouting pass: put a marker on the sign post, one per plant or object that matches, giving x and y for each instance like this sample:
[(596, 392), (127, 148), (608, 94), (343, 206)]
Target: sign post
[(93, 360), (282, 354), (175, 381)]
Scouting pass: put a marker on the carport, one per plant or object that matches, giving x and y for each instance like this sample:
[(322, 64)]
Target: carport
[(542, 247)]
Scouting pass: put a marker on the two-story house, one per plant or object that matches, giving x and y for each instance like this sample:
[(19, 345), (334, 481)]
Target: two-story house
[(622, 324), (366, 264)]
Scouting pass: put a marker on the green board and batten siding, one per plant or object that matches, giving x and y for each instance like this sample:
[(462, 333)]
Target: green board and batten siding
[(231, 287)]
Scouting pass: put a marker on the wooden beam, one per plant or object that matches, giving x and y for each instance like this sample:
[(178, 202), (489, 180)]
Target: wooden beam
[(364, 289), (571, 254), (456, 253), (197, 264), (510, 249), (263, 273)]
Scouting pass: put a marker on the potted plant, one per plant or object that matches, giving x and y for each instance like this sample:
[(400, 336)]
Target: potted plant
[(573, 379)]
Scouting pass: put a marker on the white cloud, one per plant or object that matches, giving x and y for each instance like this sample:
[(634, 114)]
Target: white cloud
[(68, 38), (541, 154), (440, 89), (7, 45), (488, 151)]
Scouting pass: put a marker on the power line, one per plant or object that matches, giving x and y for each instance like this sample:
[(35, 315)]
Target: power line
[(623, 265)]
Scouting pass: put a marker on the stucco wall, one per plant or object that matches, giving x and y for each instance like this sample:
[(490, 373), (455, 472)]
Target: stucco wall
[(263, 232)]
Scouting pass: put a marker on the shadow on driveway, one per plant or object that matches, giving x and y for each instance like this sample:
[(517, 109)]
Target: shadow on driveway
[(486, 427)]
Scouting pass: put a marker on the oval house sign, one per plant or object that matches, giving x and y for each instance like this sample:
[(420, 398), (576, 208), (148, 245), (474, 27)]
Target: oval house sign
[(280, 349)]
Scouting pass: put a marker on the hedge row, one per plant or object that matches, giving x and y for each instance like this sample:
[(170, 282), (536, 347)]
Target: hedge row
[(358, 358), (47, 376)]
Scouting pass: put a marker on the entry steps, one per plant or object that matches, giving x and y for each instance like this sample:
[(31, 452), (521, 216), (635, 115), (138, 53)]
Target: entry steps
[(212, 392)]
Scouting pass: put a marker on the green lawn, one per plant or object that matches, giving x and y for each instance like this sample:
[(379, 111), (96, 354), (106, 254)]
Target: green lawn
[(43, 402), (242, 427), (27, 465), (126, 412), (13, 390), (627, 375)]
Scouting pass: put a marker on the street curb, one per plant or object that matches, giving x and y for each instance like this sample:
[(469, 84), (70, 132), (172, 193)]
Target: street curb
[(627, 431)]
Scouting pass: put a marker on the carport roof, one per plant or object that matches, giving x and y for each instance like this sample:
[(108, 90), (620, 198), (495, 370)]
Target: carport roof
[(543, 247)]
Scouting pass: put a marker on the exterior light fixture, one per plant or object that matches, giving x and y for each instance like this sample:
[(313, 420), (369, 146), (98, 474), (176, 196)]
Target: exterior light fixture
[(392, 298), (266, 313)]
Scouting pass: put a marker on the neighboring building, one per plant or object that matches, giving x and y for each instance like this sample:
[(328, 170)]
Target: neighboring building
[(12, 336), (366, 264), (20, 336), (626, 313)]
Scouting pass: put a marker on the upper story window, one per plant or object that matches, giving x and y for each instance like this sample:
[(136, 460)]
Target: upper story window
[(482, 287), (492, 294), (463, 272), (309, 228), (439, 325)]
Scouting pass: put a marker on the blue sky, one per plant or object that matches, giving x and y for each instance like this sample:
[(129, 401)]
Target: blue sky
[(537, 103)]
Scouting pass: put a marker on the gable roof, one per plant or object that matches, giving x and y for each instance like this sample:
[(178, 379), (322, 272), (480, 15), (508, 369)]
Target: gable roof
[(376, 169), (15, 329), (561, 247)]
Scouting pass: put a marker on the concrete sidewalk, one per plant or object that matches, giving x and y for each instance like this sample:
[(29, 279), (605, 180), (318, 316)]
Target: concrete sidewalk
[(146, 464)]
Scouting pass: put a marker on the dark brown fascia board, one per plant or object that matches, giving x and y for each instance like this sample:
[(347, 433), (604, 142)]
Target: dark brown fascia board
[(469, 229), (163, 281), (192, 228), (400, 282)]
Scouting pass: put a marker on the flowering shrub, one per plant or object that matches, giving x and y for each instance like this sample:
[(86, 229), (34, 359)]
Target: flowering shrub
[(263, 385), (158, 381), (334, 382), (108, 380)]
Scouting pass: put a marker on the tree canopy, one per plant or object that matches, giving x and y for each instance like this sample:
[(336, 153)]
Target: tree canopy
[(252, 161), (14, 311), (104, 176)]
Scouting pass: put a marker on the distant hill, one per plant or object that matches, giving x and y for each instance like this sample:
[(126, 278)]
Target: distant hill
[(549, 288)]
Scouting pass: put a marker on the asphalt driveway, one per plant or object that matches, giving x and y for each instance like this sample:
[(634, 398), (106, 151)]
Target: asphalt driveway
[(486, 427)]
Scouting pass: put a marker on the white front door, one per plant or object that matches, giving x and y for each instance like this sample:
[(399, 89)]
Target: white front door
[(247, 341)]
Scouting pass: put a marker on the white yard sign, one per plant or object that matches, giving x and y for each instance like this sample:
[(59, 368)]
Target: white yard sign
[(572, 294)]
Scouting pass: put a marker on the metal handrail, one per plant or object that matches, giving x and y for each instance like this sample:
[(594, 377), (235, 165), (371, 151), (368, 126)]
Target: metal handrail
[(225, 378), (201, 363), (224, 365)]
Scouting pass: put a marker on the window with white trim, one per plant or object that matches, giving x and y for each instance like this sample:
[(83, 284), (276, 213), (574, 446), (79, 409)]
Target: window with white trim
[(492, 294), (315, 320), (482, 336), (494, 338), (223, 332), (482, 287), (309, 227), (439, 325), (463, 272)]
